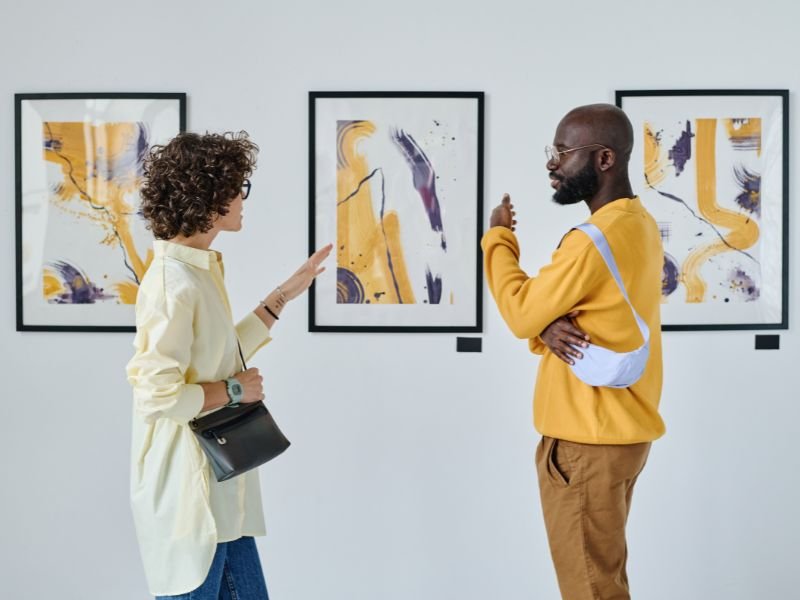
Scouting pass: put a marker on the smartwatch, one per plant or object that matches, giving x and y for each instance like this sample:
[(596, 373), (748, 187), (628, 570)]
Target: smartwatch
[(235, 392)]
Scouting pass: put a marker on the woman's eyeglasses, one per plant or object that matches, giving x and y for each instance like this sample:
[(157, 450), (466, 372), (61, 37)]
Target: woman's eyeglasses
[(246, 185)]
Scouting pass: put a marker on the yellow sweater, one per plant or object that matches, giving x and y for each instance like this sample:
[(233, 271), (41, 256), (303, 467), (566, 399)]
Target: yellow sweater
[(577, 279)]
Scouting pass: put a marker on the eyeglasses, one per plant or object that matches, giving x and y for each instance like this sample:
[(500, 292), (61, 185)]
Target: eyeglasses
[(246, 185), (553, 154)]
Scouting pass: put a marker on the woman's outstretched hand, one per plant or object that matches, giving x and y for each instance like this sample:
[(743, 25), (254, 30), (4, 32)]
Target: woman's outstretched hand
[(304, 276)]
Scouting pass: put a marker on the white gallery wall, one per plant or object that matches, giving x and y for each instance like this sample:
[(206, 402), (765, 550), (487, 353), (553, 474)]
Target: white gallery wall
[(411, 471)]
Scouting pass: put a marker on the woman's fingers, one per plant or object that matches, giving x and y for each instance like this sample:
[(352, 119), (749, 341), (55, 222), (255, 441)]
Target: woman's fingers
[(321, 254), (317, 258)]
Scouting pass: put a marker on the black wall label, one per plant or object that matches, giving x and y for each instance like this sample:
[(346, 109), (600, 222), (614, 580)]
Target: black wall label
[(468, 344), (768, 342)]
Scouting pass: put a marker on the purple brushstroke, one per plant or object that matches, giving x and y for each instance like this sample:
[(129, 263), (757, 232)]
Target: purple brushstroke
[(125, 166), (750, 142), (142, 147), (424, 178), (342, 128), (750, 184), (80, 290), (349, 289), (665, 230), (669, 275), (434, 287), (682, 150), (741, 282)]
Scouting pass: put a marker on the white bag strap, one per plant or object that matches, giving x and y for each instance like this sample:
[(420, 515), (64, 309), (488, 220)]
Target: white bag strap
[(602, 246)]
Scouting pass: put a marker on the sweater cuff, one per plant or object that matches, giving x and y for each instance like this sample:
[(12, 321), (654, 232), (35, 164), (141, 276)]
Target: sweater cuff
[(537, 346), (500, 235)]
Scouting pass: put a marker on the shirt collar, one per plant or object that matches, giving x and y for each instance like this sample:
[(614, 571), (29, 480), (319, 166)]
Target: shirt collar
[(202, 259)]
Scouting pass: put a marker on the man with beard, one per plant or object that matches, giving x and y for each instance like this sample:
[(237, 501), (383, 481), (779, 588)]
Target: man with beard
[(595, 439)]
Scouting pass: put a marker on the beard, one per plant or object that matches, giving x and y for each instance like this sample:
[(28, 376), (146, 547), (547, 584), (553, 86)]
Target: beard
[(581, 186)]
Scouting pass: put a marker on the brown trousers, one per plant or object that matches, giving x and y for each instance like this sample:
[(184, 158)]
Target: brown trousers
[(586, 494)]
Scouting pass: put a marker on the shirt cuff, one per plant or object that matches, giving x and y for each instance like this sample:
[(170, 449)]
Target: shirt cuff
[(190, 403), (253, 334)]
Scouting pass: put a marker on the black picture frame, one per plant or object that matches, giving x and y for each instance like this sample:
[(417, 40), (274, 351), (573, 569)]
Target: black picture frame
[(476, 326), (781, 96), (19, 100)]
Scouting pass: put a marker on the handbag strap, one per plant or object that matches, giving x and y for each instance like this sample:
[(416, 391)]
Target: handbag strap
[(602, 246), (241, 355)]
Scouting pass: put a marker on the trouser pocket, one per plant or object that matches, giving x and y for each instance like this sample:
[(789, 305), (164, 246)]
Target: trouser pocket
[(557, 461)]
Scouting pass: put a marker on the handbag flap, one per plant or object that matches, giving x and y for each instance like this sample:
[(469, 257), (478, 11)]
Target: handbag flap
[(224, 415)]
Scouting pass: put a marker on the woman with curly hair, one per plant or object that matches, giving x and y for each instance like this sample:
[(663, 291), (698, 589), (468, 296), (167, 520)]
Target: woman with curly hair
[(195, 533)]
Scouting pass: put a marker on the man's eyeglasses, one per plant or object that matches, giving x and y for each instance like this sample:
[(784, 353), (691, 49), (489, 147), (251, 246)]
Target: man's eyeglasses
[(246, 185), (553, 154)]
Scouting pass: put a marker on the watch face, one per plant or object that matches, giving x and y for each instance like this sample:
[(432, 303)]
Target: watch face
[(236, 389)]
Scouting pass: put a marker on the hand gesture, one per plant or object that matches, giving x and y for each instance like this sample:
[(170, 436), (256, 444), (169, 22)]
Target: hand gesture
[(503, 214), (564, 338), (304, 276)]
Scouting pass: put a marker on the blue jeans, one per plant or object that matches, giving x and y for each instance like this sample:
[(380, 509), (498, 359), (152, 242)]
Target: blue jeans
[(235, 574)]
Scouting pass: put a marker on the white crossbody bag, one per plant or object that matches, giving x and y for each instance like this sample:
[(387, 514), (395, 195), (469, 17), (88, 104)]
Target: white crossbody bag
[(600, 366)]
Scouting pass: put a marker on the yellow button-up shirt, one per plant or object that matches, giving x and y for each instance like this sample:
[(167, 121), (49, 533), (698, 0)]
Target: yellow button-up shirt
[(185, 336)]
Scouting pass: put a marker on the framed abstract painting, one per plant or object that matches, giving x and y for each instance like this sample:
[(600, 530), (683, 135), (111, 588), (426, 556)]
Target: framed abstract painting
[(396, 184), (81, 243), (712, 167)]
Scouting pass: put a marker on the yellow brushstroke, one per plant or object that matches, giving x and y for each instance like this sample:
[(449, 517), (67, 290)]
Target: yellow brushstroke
[(745, 129), (391, 226), (78, 148), (51, 285), (361, 241), (128, 290), (654, 159), (743, 232)]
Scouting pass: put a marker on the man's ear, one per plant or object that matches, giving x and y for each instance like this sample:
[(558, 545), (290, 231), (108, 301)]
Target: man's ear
[(606, 159)]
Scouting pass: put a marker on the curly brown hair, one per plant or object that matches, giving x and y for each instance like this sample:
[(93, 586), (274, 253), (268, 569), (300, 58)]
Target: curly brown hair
[(193, 179)]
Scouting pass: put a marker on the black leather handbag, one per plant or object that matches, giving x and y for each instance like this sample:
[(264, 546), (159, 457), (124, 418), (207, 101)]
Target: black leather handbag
[(239, 438)]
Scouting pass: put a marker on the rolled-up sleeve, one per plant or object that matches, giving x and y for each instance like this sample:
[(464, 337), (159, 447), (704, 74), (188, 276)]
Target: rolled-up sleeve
[(253, 334), (157, 371)]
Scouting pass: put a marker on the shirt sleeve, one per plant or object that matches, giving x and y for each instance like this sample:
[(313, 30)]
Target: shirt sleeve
[(253, 334), (157, 371), (529, 304)]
